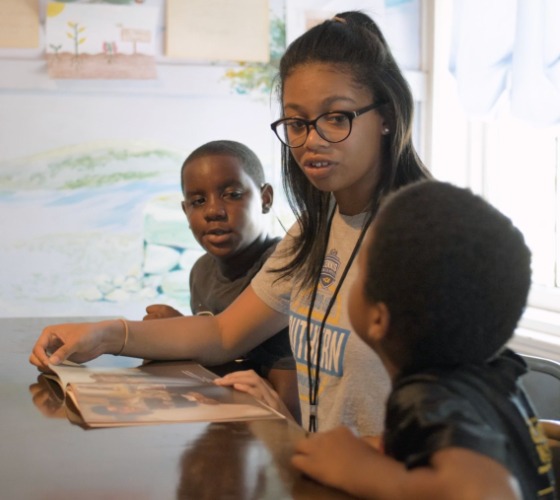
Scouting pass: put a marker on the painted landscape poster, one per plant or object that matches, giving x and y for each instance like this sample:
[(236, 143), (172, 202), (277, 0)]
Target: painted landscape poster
[(101, 41), (108, 227)]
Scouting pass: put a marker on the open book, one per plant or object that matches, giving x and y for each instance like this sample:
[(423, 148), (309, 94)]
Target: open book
[(152, 393)]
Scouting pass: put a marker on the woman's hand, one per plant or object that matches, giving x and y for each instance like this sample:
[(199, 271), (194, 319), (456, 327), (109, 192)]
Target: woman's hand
[(159, 311), (79, 342), (248, 381)]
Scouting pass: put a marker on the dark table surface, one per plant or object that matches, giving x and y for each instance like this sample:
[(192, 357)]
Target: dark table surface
[(44, 456)]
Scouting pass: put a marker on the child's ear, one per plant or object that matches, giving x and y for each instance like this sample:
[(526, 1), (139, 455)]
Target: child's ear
[(379, 319), (267, 197)]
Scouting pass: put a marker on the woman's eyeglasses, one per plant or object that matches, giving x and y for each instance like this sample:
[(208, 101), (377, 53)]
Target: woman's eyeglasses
[(334, 126)]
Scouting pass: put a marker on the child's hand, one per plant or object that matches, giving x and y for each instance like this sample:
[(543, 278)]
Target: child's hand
[(332, 457), (159, 311), (340, 459), (551, 429), (248, 381)]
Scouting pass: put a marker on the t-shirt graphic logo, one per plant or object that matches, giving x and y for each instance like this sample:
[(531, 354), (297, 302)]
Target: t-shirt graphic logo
[(330, 268)]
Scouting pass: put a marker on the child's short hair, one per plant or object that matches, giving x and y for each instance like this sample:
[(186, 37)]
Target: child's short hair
[(248, 159), (453, 271)]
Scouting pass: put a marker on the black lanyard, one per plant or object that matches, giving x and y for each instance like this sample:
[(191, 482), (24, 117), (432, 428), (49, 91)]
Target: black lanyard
[(313, 378)]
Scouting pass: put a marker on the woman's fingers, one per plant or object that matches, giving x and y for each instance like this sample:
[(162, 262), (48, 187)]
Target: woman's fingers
[(249, 382)]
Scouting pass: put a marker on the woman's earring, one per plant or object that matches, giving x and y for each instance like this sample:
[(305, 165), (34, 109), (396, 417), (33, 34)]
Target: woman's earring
[(385, 131)]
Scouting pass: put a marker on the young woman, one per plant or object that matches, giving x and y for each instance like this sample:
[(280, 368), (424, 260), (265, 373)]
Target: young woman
[(346, 135)]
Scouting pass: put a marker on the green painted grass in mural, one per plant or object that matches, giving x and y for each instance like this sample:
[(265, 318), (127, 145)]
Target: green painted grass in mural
[(101, 159), (89, 166), (106, 180)]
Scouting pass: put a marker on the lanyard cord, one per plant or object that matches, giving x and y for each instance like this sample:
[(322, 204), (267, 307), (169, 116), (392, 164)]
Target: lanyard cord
[(314, 380)]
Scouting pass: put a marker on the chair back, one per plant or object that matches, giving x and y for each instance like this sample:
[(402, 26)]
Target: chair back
[(542, 383)]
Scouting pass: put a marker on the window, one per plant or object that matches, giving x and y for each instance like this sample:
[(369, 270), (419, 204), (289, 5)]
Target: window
[(513, 162)]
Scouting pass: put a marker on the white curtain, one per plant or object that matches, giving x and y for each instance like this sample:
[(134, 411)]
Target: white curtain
[(508, 48)]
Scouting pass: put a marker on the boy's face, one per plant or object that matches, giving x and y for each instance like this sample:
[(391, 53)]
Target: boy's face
[(222, 204)]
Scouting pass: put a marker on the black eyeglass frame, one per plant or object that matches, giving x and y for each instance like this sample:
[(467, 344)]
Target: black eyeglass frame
[(351, 115)]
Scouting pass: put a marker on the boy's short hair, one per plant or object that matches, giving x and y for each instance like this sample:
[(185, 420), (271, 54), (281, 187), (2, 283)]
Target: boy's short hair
[(248, 159), (453, 271)]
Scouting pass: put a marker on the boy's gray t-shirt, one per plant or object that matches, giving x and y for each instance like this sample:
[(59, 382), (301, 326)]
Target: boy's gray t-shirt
[(353, 382), (212, 292)]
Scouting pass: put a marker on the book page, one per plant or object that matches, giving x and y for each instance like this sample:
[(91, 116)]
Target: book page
[(73, 373)]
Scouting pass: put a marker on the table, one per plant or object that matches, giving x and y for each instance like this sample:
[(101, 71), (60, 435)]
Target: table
[(46, 457)]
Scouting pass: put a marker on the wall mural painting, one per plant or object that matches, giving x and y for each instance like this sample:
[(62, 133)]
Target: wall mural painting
[(108, 231)]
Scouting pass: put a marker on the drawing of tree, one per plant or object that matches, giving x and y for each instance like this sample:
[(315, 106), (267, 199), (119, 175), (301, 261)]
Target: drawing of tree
[(74, 35)]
